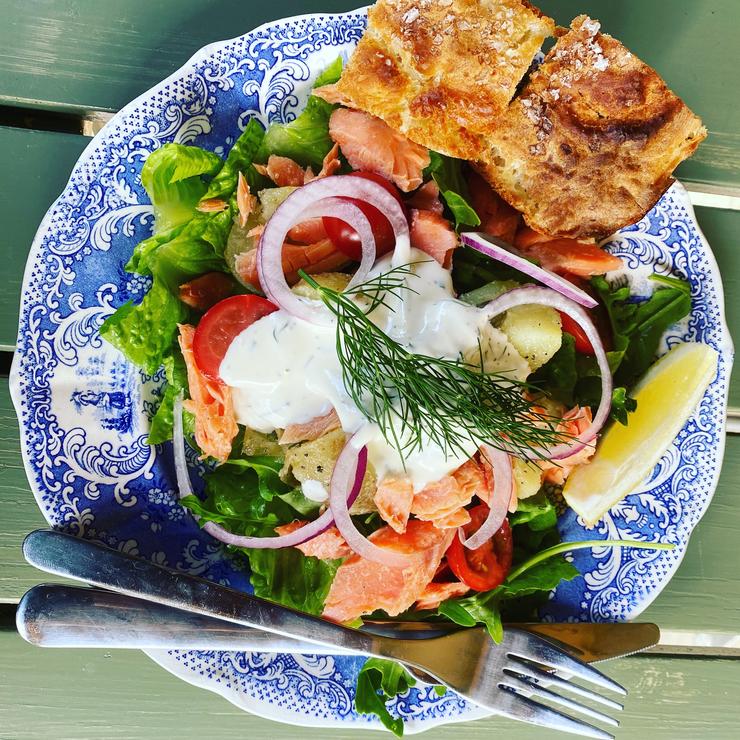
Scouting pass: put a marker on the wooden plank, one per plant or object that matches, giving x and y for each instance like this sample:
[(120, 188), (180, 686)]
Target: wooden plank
[(35, 166), (121, 695), (74, 54), (708, 575)]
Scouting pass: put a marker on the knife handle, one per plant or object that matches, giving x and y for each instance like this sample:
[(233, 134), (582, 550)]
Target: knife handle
[(89, 562), (77, 616)]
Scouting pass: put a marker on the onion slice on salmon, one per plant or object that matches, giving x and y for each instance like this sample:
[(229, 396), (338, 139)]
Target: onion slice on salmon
[(532, 294), (326, 197), (346, 482), (299, 536), (500, 251), (498, 502)]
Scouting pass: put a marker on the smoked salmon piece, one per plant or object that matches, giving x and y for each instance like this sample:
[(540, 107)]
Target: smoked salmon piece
[(210, 402), (435, 593), (207, 290), (369, 144), (434, 235), (310, 430), (283, 171), (437, 501), (361, 586), (576, 421), (245, 201), (308, 232), (393, 498), (328, 545), (426, 198), (321, 256), (497, 217), (583, 259)]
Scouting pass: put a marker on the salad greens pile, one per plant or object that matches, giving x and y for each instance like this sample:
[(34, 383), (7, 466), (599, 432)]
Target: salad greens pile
[(193, 193)]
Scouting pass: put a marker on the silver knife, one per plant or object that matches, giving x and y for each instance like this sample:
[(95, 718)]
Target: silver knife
[(74, 616)]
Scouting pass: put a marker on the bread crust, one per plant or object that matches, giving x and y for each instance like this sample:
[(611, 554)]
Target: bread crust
[(590, 143), (442, 71)]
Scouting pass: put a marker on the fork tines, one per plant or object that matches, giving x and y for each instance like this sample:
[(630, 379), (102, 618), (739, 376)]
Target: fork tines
[(527, 674)]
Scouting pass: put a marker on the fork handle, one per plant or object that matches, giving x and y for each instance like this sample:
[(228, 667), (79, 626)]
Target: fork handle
[(89, 562)]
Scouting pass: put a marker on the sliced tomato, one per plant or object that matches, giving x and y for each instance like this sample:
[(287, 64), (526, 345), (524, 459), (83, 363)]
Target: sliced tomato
[(346, 239), (219, 327), (583, 345), (487, 566)]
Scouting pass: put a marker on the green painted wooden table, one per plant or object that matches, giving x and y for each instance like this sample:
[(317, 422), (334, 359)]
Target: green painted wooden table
[(65, 65)]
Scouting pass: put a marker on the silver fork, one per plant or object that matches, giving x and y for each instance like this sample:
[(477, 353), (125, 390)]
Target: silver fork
[(507, 678)]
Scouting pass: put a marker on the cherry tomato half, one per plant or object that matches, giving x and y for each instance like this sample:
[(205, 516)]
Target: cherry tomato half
[(583, 345), (346, 239), (487, 566), (220, 325)]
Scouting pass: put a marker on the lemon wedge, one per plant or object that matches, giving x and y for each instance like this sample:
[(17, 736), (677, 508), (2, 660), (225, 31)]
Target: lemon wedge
[(666, 396)]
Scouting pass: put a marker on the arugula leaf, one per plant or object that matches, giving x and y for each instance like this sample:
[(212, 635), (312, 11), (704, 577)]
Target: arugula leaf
[(176, 375), (537, 512), (239, 159), (290, 578), (638, 326), (447, 173), (145, 333), (305, 139), (378, 682), (173, 178), (541, 577)]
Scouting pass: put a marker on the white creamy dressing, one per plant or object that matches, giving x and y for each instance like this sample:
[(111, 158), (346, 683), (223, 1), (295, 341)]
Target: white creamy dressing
[(284, 370)]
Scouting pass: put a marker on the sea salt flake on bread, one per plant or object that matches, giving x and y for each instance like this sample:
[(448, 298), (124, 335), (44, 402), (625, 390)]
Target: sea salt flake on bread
[(590, 143), (442, 71)]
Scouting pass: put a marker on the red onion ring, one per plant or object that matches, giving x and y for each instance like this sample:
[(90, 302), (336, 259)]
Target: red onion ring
[(528, 295), (499, 250), (348, 474), (307, 532), (305, 200), (498, 504)]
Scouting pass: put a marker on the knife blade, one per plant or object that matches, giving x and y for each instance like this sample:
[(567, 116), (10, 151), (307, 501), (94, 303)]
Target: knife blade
[(77, 616)]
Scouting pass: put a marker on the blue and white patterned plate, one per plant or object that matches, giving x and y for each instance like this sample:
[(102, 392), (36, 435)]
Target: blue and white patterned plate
[(84, 410)]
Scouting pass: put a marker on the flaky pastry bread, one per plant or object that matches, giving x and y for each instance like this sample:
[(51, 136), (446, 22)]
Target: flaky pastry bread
[(588, 144), (442, 71)]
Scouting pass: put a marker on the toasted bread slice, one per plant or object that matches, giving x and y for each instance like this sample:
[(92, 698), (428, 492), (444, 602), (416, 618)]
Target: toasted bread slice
[(590, 143), (442, 71)]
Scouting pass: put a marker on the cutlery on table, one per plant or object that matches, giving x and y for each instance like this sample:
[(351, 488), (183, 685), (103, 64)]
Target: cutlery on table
[(501, 677)]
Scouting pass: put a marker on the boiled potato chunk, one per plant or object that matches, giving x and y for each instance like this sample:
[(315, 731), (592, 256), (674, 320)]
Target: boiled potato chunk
[(534, 331), (527, 478), (334, 280)]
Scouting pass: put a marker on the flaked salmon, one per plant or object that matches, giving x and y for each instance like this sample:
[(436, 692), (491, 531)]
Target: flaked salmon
[(496, 215), (321, 256), (426, 198), (310, 430), (583, 259), (575, 422), (362, 586), (245, 201), (283, 171), (370, 145), (393, 498), (328, 545), (433, 234), (308, 232), (435, 593), (210, 402)]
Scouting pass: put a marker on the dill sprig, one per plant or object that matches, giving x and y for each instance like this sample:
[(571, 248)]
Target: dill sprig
[(415, 399)]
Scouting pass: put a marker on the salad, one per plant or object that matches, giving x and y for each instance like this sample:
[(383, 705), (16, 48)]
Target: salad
[(391, 378)]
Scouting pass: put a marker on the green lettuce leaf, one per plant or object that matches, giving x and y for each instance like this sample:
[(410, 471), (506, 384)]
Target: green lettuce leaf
[(173, 178), (306, 139), (239, 159), (288, 577), (176, 375), (536, 511), (145, 333), (447, 173), (638, 326), (378, 682)]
